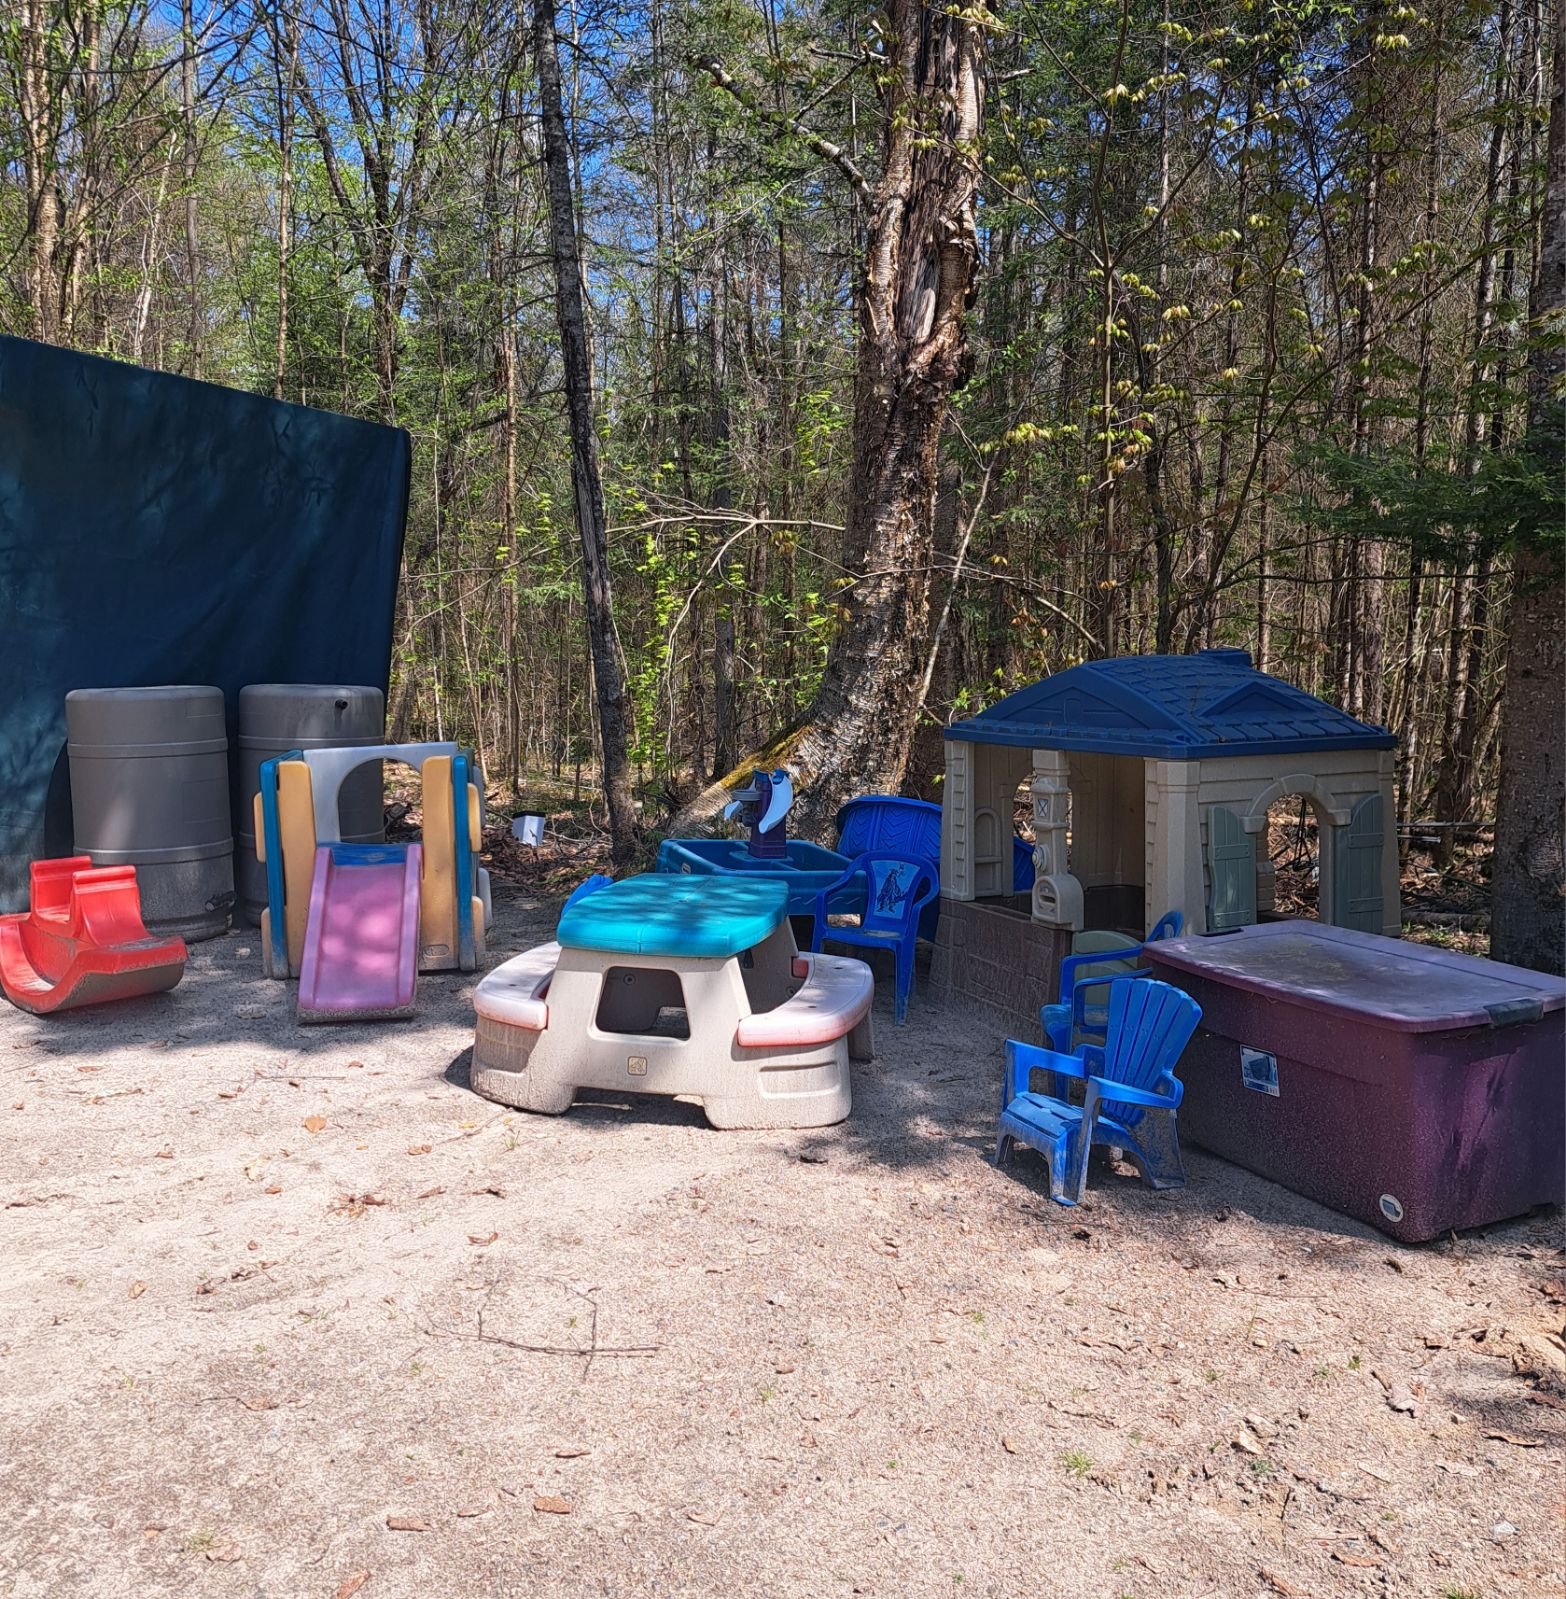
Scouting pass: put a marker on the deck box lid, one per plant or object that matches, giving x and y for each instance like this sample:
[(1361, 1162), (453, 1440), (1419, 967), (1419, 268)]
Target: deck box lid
[(1385, 982)]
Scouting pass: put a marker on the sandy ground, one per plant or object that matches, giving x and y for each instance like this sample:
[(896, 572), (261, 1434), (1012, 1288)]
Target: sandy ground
[(292, 1312)]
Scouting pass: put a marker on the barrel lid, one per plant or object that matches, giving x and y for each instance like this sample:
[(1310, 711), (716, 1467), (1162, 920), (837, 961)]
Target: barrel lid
[(297, 715), (146, 694), (188, 717)]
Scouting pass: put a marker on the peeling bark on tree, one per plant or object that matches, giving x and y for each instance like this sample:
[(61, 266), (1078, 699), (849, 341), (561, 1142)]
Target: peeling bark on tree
[(921, 251)]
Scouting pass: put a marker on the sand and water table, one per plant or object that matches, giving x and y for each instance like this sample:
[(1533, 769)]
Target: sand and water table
[(1414, 1088)]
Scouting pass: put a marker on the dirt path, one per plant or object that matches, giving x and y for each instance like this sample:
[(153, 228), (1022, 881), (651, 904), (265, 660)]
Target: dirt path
[(235, 1351)]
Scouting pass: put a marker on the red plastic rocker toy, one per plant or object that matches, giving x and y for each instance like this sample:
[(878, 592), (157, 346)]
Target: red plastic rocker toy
[(83, 942)]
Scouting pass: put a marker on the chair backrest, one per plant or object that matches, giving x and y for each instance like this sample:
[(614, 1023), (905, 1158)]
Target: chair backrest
[(897, 889), (1096, 941), (588, 885), (1169, 925), (1150, 1023), (882, 822)]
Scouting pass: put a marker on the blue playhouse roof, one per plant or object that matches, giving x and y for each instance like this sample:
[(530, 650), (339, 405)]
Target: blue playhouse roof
[(1172, 708)]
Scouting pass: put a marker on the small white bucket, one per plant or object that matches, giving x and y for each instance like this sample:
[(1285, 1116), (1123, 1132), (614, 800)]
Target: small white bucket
[(528, 828)]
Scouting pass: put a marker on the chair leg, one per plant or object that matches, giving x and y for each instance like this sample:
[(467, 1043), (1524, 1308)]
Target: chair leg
[(1158, 1151), (1003, 1149), (905, 953)]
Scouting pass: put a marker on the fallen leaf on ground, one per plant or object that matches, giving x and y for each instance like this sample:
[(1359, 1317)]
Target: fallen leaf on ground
[(499, 1193), (164, 1154), (259, 1402), (473, 1238), (137, 1289), (812, 1157), (1376, 1472), (1283, 1585), (784, 1368), (205, 1288), (704, 1518), (430, 1193), (313, 1124), (255, 1169), (153, 1528), (571, 1453), (250, 1013), (89, 1068), (1400, 1398), (1365, 1561), (1008, 1446), (552, 1505), (407, 1524), (350, 1585), (273, 1188), (468, 1512), (1515, 1441), (227, 1553), (418, 1149)]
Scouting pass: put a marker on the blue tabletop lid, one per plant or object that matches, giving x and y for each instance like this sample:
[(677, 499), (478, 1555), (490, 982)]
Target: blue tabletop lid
[(658, 914)]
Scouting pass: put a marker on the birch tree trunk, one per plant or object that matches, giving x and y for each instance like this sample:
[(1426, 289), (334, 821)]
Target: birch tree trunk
[(586, 480)]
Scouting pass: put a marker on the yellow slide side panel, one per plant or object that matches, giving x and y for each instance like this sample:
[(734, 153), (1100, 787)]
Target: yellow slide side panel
[(475, 820), (260, 830), (438, 882), (296, 828)]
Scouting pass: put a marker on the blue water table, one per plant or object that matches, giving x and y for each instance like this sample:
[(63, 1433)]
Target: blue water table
[(763, 806)]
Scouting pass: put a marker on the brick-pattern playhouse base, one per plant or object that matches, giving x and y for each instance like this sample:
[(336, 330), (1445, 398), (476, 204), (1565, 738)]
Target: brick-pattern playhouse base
[(990, 953)]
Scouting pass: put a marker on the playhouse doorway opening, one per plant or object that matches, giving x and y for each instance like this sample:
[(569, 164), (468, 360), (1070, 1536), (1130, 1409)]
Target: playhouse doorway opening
[(1289, 860), (1108, 840)]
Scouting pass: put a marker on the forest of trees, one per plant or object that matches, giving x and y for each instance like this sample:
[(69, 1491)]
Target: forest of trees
[(927, 350)]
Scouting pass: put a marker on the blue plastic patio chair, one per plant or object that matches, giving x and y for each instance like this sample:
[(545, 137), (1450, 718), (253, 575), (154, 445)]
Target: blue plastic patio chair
[(1081, 1011), (897, 890), (588, 885), (1129, 1091)]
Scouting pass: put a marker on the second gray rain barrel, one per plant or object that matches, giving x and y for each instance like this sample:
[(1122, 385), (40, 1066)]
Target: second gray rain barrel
[(275, 718), (149, 789)]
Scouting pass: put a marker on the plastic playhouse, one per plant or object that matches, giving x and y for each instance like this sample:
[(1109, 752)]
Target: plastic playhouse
[(1159, 770), (662, 985), (356, 923), (763, 806), (82, 941)]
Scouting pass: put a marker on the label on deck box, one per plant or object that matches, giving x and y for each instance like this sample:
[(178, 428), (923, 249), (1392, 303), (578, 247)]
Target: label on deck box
[(1259, 1070)]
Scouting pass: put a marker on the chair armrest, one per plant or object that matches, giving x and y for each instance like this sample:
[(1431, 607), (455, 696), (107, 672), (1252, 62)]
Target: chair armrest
[(1024, 1058), (1124, 1094)]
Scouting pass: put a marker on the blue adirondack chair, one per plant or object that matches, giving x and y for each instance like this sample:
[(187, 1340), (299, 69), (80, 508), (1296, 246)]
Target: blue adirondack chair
[(1081, 1012), (896, 891), (1129, 1091), (588, 885)]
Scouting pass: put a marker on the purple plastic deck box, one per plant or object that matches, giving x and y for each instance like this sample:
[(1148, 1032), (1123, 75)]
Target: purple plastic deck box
[(1413, 1088)]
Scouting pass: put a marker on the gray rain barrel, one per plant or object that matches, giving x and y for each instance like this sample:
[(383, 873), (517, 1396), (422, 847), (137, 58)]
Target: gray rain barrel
[(275, 718), (149, 789)]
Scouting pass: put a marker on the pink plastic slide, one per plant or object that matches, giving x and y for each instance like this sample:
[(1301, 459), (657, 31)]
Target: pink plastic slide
[(361, 952)]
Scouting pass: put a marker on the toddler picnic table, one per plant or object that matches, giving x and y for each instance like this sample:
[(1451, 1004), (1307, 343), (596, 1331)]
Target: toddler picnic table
[(677, 985)]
